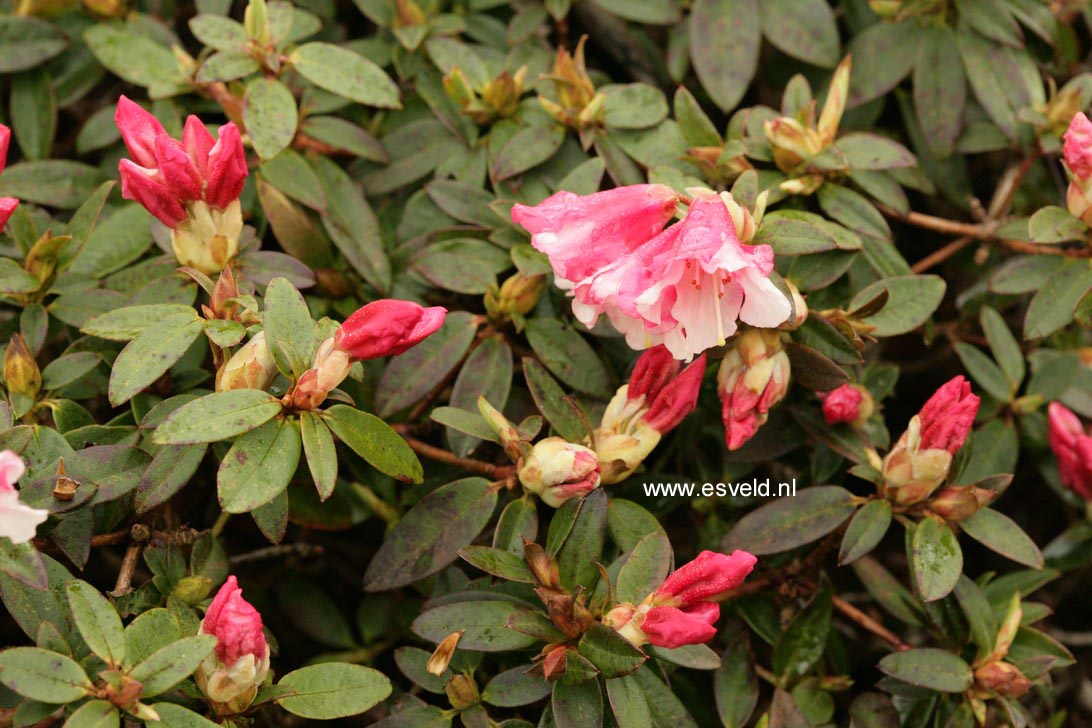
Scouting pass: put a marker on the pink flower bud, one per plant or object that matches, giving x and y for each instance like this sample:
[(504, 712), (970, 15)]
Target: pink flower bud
[(18, 521), (1078, 147), (947, 417), (1072, 448), (226, 167), (139, 130), (669, 395), (848, 403), (7, 204), (387, 327), (557, 470), (232, 674), (753, 377), (710, 574), (581, 234)]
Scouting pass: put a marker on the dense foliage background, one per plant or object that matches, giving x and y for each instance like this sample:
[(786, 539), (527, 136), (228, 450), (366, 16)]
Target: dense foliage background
[(907, 153)]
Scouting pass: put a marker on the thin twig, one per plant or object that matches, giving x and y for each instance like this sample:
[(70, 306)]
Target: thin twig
[(863, 620), (489, 470), (128, 567), (303, 550)]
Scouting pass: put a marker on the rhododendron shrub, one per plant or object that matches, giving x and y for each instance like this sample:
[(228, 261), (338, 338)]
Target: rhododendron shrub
[(572, 364)]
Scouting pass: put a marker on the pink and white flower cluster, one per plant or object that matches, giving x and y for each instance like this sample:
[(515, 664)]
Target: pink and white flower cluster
[(7, 204), (684, 286), (192, 186)]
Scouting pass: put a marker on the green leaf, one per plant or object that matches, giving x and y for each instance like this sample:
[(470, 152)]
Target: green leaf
[(95, 714), (804, 641), (568, 356), (645, 568), (692, 657), (343, 134), (23, 562), (940, 91), (428, 537), (725, 69), (170, 470), (735, 685), (517, 521), (216, 31), (270, 115), (611, 653), (348, 74), (373, 439), (911, 300), (43, 675), (333, 690), (33, 113), (293, 175), (498, 562), (865, 530), (999, 533), (148, 357), (1053, 224), (217, 416), (984, 69), (170, 665), (980, 616), (578, 705), (803, 29), (628, 702), (1052, 307), (352, 225), (929, 668), (1006, 349), (864, 151), (463, 265), (789, 522), (528, 148), (794, 232), (97, 621), (484, 623), (633, 106), (583, 547), (557, 407), (27, 42), (259, 466), (514, 687), (935, 559), (59, 183), (117, 241), (132, 56), (150, 631), (129, 322), (883, 54), (289, 329), (984, 371), (178, 717), (318, 446), (487, 373), (412, 375), (653, 12)]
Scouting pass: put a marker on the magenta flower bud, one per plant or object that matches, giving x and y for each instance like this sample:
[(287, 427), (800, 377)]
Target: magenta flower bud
[(7, 204), (1072, 447), (139, 130), (177, 169), (1077, 149), (226, 167), (848, 403), (232, 674), (947, 417), (387, 327), (18, 521), (581, 233), (668, 394), (753, 377), (144, 186), (710, 574), (671, 627)]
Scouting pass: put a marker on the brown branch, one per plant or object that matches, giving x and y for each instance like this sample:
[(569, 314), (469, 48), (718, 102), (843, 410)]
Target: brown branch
[(128, 568), (493, 472), (863, 620)]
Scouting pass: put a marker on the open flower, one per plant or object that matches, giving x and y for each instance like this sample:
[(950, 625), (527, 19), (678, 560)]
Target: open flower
[(922, 457), (679, 612), (7, 204), (1072, 448), (753, 377), (557, 470), (192, 186), (231, 675), (387, 327), (18, 521), (659, 394)]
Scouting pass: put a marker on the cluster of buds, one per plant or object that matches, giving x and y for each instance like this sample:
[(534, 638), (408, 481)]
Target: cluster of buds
[(1078, 161), (18, 521), (796, 139), (578, 106), (192, 186), (920, 461), (850, 403), (1072, 446), (231, 675), (515, 298), (556, 470), (7, 204), (680, 612), (753, 377), (496, 99), (566, 610), (387, 327), (659, 394), (993, 676)]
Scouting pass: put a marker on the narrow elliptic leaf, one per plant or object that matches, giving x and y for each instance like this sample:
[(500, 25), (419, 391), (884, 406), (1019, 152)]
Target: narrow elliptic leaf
[(217, 417), (345, 73), (935, 559), (43, 675), (97, 621), (789, 522), (374, 440), (168, 666), (929, 668), (259, 466), (725, 69), (999, 533)]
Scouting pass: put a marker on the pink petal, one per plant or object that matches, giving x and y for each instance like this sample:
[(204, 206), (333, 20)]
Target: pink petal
[(141, 185), (139, 130), (226, 171)]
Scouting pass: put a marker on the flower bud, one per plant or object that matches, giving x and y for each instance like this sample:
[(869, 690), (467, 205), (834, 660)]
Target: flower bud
[(799, 308), (7, 204), (231, 675), (557, 470), (885, 8), (251, 367), (850, 403), (21, 373), (518, 294), (1002, 678), (1077, 151), (208, 238), (330, 368), (441, 656), (959, 503), (835, 105), (18, 521), (509, 436), (462, 692), (1072, 447), (791, 142), (947, 417), (387, 327), (578, 105), (754, 376)]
